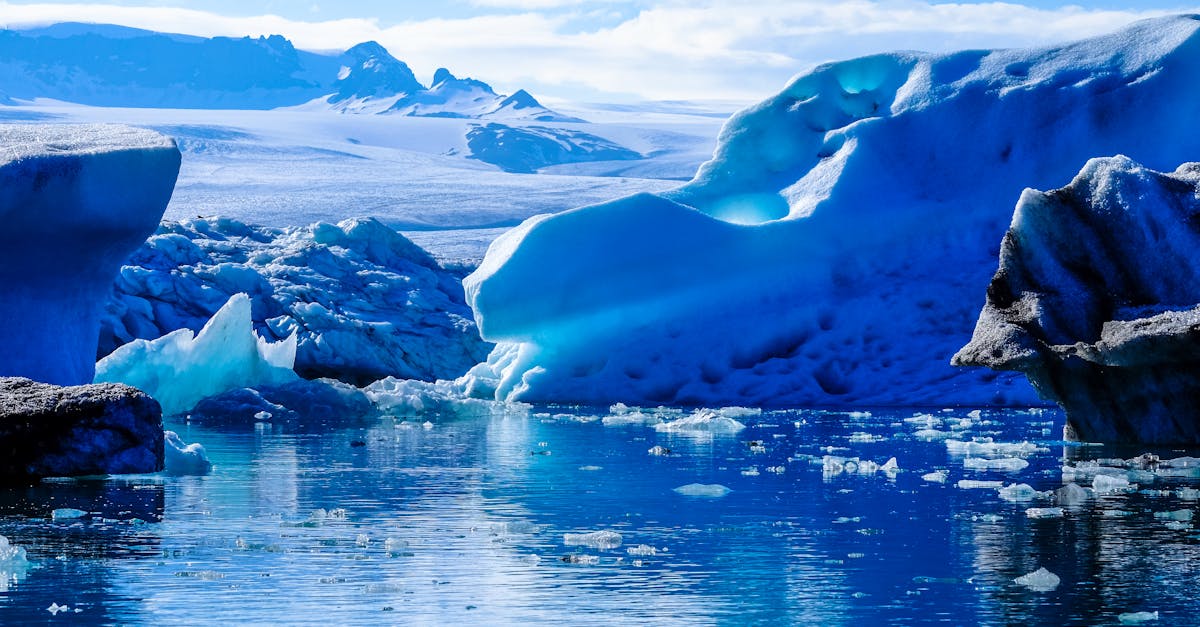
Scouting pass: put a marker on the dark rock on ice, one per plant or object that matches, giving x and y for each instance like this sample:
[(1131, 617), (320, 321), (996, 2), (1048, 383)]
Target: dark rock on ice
[(53, 431), (1096, 301)]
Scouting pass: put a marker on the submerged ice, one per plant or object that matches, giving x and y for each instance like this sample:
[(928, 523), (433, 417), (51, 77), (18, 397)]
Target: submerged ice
[(831, 253)]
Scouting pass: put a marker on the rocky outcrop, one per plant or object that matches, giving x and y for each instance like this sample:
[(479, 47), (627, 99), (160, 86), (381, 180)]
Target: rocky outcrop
[(1095, 300), (52, 431), (75, 201)]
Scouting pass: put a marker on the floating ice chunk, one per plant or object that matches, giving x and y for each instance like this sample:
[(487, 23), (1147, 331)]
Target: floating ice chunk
[(1188, 494), (861, 437), (1045, 512), (1040, 580), (1136, 618), (832, 465), (971, 484), (1181, 515), (184, 459), (1071, 494), (930, 435), (1020, 492), (591, 468), (986, 447), (659, 451), (586, 560), (1004, 464), (937, 476), (1109, 484), (622, 414), (1115, 513), (705, 421), (67, 513), (181, 368), (595, 539), (642, 550), (13, 564), (703, 490)]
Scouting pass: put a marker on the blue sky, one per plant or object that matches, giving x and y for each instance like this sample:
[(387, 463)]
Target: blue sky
[(613, 50)]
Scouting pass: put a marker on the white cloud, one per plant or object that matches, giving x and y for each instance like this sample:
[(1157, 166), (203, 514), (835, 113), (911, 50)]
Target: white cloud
[(713, 48)]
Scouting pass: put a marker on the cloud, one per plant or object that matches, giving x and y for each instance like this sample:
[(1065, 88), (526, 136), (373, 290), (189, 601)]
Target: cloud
[(672, 50)]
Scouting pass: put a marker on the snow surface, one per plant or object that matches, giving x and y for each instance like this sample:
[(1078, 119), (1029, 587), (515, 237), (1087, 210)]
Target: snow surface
[(181, 368), (74, 202), (833, 251), (289, 168), (363, 302)]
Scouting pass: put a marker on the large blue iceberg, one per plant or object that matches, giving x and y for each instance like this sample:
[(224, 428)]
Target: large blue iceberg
[(75, 201), (832, 250)]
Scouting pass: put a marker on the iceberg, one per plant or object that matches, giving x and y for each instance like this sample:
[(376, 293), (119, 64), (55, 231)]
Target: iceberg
[(829, 253), (1040, 580), (364, 302), (1096, 302), (181, 368), (184, 459), (75, 201)]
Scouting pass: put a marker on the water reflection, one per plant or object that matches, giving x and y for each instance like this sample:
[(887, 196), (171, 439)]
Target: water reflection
[(464, 521)]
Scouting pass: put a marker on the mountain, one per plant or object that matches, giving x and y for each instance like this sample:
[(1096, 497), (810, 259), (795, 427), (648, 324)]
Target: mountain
[(116, 66)]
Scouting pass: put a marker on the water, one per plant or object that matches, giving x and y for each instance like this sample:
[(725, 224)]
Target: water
[(465, 522)]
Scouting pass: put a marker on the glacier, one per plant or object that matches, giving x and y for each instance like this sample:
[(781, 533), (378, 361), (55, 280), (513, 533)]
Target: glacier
[(831, 252), (181, 368), (75, 201), (1097, 301), (362, 301)]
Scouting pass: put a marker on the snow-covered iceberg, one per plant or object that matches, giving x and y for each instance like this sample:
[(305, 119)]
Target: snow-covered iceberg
[(831, 251), (363, 301), (1097, 301), (182, 367), (75, 201)]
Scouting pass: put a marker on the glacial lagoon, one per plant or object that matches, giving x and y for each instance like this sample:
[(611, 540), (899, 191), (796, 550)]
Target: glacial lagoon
[(556, 514)]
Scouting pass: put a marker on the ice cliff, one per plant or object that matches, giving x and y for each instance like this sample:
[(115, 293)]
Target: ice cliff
[(363, 301), (75, 201), (1097, 301), (831, 251)]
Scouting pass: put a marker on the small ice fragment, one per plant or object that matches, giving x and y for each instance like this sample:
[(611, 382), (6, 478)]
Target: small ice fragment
[(659, 451), (1070, 494), (971, 484), (181, 459), (778, 470), (1019, 492), (586, 560), (703, 421), (704, 490), (862, 437), (641, 550), (1136, 618), (591, 468), (751, 471), (595, 539), (1044, 512), (1182, 515), (890, 466), (427, 425), (1040, 580), (1115, 513), (1108, 484), (263, 416), (937, 476), (362, 540), (55, 608), (67, 513), (1004, 464), (1188, 494)]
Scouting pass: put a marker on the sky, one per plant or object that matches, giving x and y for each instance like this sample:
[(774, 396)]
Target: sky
[(621, 50)]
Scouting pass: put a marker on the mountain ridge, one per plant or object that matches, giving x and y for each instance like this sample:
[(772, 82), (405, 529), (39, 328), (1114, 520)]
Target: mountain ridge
[(118, 66)]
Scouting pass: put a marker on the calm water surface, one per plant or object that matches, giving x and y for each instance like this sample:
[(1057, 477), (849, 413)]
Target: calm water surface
[(464, 521)]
